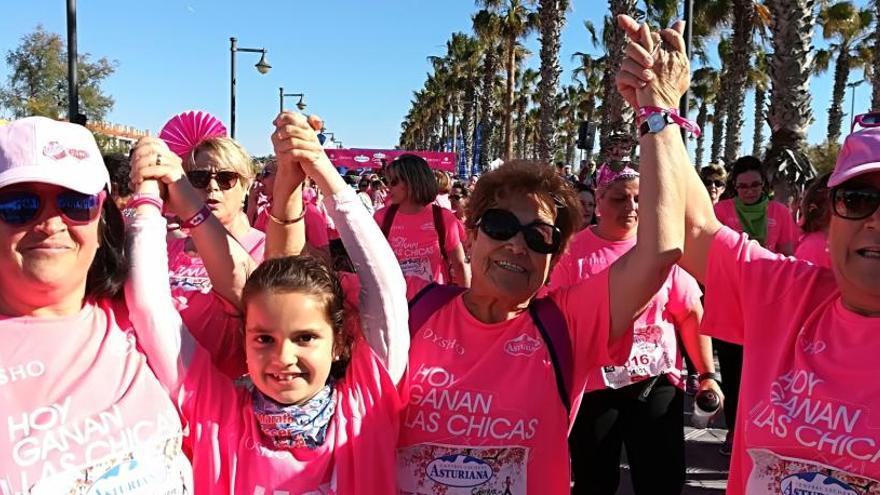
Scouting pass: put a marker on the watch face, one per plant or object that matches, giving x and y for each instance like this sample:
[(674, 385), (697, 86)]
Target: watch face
[(656, 122)]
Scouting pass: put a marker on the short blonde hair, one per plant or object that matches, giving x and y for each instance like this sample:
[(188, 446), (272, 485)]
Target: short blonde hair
[(228, 151), (444, 185)]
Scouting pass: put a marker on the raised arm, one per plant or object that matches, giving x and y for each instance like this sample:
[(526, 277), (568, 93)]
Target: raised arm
[(159, 328), (383, 305), (638, 275), (640, 73)]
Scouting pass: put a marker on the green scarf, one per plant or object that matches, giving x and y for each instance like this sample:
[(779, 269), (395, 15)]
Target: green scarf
[(753, 218)]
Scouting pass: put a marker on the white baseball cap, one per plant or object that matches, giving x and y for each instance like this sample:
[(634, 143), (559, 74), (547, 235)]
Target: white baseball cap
[(38, 149)]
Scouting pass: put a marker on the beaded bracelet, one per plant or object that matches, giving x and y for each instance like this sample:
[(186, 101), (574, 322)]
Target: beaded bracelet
[(145, 199), (199, 218)]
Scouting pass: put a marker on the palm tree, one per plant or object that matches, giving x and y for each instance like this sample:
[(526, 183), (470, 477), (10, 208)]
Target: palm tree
[(588, 75), (617, 116), (719, 114), (759, 80), (848, 29), (487, 27), (790, 114), (551, 19), (525, 94), (570, 107), (517, 20), (875, 79), (742, 43), (704, 86)]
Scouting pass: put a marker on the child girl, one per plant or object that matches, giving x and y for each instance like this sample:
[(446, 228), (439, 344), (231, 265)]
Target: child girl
[(319, 413)]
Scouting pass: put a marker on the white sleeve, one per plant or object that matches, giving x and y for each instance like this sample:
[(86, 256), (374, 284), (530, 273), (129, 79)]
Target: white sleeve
[(383, 306), (159, 328)]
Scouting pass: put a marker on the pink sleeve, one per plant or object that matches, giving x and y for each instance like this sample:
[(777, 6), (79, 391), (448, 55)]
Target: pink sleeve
[(452, 240), (740, 274), (218, 328), (788, 232), (685, 292), (563, 273)]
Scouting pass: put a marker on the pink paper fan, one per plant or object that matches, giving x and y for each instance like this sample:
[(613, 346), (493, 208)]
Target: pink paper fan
[(186, 130)]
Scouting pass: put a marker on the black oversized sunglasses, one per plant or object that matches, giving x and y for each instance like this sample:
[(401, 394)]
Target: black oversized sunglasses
[(22, 207), (502, 225), (855, 203), (200, 179)]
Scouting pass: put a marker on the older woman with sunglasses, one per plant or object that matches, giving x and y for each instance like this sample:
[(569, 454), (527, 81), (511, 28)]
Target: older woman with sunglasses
[(809, 392), (496, 373), (83, 411)]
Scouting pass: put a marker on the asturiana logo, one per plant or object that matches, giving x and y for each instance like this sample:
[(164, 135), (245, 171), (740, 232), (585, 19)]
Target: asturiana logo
[(522, 346), (459, 470), (814, 483), (361, 158)]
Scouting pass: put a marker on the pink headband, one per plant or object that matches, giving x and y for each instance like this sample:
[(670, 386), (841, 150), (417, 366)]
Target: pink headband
[(607, 176)]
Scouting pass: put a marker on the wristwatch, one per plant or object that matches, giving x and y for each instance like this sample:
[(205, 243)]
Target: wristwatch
[(656, 122), (710, 375)]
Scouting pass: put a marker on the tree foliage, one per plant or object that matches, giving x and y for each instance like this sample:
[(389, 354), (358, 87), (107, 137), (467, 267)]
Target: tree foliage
[(37, 82)]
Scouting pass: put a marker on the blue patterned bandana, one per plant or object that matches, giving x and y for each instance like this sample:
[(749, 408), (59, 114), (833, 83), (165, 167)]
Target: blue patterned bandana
[(290, 425)]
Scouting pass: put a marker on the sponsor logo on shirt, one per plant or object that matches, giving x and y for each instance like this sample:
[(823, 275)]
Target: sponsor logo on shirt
[(447, 344), (814, 484), (459, 470), (522, 346), (12, 374)]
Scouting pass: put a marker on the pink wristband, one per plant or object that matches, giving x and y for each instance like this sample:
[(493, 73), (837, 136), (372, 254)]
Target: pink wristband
[(145, 199), (682, 122), (199, 218)]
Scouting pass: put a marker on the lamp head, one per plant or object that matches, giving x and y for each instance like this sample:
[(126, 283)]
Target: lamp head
[(263, 66)]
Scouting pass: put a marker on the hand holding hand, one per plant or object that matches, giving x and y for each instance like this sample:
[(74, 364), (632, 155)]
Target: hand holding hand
[(296, 143), (656, 70)]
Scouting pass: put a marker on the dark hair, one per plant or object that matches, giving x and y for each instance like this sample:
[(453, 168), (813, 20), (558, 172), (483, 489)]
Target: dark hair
[(745, 164), (120, 169), (307, 275), (523, 177), (109, 269), (815, 205), (415, 172)]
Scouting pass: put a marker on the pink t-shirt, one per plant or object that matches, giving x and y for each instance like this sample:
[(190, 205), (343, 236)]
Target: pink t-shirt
[(655, 349), (814, 248), (82, 411), (315, 221), (484, 412), (413, 238), (204, 312), (230, 454), (781, 228), (809, 396)]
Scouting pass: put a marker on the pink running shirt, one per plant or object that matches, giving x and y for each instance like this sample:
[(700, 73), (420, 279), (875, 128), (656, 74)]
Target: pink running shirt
[(82, 411), (809, 396), (484, 413), (814, 248), (204, 312), (413, 238), (655, 349), (781, 228)]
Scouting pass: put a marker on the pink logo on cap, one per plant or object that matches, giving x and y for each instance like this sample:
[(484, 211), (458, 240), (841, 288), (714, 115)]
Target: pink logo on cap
[(54, 150), (78, 154)]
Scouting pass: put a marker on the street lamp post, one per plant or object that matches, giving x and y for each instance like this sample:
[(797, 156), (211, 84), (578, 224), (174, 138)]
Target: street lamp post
[(72, 82), (299, 104), (262, 67), (852, 105)]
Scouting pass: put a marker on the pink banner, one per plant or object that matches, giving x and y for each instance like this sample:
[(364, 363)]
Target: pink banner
[(356, 158)]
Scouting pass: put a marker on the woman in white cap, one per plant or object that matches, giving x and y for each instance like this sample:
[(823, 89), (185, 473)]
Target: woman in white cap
[(809, 394), (83, 411)]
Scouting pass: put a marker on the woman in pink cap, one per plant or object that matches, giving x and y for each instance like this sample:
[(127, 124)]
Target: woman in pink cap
[(810, 395), (82, 410), (639, 405)]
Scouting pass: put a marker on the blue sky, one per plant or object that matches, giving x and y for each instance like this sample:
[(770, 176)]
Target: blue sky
[(358, 62)]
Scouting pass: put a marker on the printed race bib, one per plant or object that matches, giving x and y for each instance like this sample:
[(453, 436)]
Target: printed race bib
[(417, 267), (774, 474), (649, 357), (430, 469), (158, 468)]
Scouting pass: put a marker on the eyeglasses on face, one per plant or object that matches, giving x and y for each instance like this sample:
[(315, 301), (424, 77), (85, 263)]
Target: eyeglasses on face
[(742, 186), (201, 179), (21, 207)]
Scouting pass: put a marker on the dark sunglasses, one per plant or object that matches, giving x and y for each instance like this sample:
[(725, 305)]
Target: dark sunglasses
[(752, 185), (870, 119), (717, 183), (855, 203), (22, 207), (200, 179), (502, 225)]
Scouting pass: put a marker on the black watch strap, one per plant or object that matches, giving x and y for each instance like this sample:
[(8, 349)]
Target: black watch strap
[(709, 375)]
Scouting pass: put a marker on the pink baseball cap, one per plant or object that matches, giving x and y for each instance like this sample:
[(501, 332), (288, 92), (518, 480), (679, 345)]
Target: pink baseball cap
[(859, 155), (38, 149)]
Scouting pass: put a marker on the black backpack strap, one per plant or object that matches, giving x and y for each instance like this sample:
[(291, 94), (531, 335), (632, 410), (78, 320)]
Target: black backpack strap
[(554, 330), (388, 220), (427, 301)]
